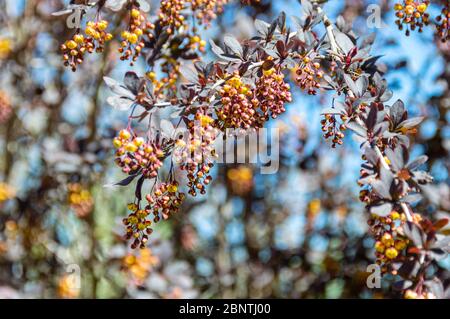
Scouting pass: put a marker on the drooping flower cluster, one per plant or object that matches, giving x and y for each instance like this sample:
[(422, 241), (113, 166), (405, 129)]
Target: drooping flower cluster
[(240, 179), (332, 129), (239, 105), (164, 201), (134, 154), (73, 50), (412, 15), (196, 155), (171, 14), (132, 42), (6, 192), (207, 10), (308, 74), (80, 199), (272, 92), (138, 265), (390, 239), (443, 23)]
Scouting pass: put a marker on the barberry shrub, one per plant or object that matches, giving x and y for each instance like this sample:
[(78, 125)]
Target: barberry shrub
[(243, 88)]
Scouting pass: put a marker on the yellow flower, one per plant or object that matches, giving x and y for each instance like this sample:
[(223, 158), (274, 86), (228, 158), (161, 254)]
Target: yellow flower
[(391, 253), (5, 47), (6, 192)]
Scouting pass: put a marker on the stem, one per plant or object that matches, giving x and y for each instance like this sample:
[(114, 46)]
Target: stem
[(329, 29)]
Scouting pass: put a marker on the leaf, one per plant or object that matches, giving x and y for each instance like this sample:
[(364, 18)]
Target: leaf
[(396, 112), (144, 5), (436, 287), (115, 5), (413, 232), (358, 129), (412, 122), (402, 285), (351, 84), (119, 103), (417, 162), (361, 84), (167, 128), (132, 82), (343, 41), (118, 89), (382, 210), (215, 48), (124, 182), (189, 74), (261, 27), (233, 45)]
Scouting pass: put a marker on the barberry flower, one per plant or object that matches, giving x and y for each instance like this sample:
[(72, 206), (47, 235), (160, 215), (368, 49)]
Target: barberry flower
[(412, 14), (134, 154), (308, 73), (132, 43), (73, 50)]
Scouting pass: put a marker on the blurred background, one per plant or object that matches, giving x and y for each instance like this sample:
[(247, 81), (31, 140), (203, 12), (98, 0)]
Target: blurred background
[(300, 233)]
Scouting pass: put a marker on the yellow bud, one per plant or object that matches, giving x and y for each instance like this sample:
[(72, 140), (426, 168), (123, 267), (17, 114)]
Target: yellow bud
[(102, 25), (133, 38), (90, 31), (117, 142), (108, 37), (71, 44), (130, 147), (391, 253), (138, 32), (422, 7), (125, 35), (172, 188), (379, 247), (400, 245), (124, 134), (132, 207), (151, 75), (268, 72), (135, 13), (138, 141), (78, 38), (395, 215)]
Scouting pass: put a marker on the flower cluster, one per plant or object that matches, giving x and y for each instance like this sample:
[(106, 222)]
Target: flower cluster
[(73, 50), (5, 47), (412, 14), (273, 93), (5, 107), (164, 201), (66, 287), (196, 155), (389, 236), (132, 43), (308, 74), (207, 10), (138, 265), (240, 179), (80, 199), (332, 129), (6, 192), (443, 25), (171, 14), (134, 154), (239, 105)]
